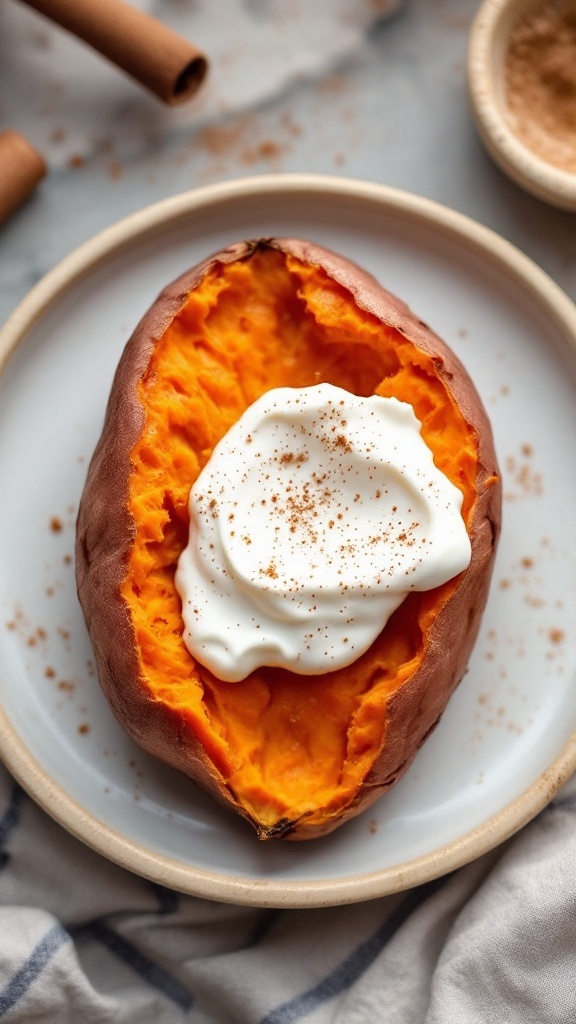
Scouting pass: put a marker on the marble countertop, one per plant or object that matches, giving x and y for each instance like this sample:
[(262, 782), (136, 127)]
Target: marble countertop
[(359, 88)]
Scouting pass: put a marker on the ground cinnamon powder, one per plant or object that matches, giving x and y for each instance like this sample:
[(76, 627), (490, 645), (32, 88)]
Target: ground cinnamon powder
[(540, 82)]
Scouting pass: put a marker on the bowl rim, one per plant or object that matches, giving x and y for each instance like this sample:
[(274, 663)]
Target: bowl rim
[(542, 179)]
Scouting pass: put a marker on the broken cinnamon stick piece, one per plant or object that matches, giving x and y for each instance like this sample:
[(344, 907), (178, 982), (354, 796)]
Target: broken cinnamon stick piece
[(21, 168), (160, 59)]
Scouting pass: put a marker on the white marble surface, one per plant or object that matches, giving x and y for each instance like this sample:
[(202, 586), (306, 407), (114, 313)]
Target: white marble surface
[(371, 89)]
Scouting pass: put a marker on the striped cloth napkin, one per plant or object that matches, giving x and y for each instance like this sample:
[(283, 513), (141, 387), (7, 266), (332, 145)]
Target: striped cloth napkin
[(82, 940)]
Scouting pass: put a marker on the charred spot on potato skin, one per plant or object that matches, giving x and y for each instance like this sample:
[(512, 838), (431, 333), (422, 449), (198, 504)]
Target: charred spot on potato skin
[(85, 549), (280, 830)]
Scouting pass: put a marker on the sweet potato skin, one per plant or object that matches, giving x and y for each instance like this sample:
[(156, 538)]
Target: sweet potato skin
[(105, 533)]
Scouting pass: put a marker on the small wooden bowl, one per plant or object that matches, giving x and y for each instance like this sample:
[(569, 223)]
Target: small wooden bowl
[(488, 44)]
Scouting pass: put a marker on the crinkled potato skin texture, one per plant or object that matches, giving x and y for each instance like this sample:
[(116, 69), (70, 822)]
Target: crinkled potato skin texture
[(105, 533)]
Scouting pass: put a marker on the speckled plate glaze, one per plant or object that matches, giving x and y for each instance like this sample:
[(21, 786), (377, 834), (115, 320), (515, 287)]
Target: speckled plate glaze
[(507, 740)]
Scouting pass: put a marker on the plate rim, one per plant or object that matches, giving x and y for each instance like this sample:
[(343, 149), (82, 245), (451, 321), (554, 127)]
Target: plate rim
[(20, 761), (282, 894)]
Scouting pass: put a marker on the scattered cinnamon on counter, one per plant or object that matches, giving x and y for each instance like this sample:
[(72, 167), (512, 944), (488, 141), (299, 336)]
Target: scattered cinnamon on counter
[(540, 82), (76, 160)]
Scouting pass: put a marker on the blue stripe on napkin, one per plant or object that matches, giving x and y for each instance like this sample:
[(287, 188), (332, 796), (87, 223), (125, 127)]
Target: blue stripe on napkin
[(9, 821), (151, 972), (32, 968), (353, 967)]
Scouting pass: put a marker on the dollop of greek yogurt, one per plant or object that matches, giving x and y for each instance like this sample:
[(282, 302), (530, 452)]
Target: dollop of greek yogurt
[(316, 515)]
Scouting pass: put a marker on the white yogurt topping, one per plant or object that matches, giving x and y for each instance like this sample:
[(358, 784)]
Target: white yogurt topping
[(317, 513)]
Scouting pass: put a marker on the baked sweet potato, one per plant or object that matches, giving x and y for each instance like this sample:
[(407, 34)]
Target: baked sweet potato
[(295, 760)]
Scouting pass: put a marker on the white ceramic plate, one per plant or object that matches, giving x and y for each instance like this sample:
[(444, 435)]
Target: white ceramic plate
[(507, 739)]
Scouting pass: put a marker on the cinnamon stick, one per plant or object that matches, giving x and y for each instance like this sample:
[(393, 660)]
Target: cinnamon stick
[(160, 59), (21, 168)]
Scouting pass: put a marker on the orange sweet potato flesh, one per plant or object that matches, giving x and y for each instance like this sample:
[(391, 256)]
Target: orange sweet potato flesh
[(297, 756)]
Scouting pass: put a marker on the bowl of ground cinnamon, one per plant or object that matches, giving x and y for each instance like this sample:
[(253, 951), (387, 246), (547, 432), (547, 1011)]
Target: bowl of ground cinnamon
[(522, 87)]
